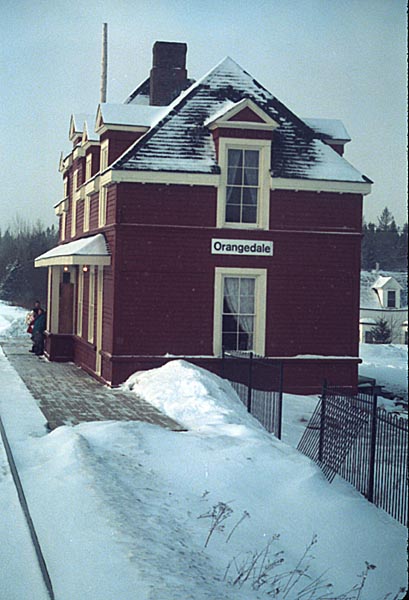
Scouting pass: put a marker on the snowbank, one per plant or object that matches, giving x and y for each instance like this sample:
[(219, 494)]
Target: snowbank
[(194, 397), (12, 320)]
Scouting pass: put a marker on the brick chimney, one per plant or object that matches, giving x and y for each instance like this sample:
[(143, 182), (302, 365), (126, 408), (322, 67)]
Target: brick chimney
[(168, 74)]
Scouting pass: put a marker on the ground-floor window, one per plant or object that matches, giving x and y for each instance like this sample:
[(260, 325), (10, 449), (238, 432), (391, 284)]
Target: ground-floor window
[(240, 300), (238, 313)]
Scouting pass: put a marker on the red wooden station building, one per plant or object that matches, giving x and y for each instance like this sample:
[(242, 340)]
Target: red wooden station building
[(205, 214)]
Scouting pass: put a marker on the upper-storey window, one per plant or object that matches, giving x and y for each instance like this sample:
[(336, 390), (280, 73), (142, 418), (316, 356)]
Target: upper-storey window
[(104, 155), (76, 179), (88, 167), (391, 299), (242, 190)]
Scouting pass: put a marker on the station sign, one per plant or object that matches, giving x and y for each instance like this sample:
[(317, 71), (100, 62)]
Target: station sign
[(242, 247)]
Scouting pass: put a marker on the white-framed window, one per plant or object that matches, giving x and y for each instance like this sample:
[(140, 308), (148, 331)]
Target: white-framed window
[(102, 208), (244, 191), (80, 300), (73, 217), (76, 179), (91, 305), (88, 167), (66, 187), (104, 155), (391, 299), (87, 209), (240, 310)]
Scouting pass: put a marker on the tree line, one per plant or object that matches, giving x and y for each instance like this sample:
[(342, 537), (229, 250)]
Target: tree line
[(20, 282), (384, 244)]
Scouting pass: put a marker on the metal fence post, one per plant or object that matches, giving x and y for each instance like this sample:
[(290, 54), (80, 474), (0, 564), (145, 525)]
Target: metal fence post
[(280, 401), (322, 421), (250, 382), (371, 479)]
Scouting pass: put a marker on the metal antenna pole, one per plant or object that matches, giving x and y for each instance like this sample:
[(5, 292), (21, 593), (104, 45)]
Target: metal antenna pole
[(104, 63)]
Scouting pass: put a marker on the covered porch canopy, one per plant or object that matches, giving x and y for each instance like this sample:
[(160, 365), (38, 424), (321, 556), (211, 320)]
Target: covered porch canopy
[(86, 251)]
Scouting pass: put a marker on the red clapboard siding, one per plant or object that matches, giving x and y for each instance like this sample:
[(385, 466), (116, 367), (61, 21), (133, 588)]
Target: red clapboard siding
[(309, 210), (166, 204)]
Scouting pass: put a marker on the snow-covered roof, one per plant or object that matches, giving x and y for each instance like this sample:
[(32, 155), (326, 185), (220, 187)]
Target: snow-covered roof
[(382, 281), (331, 129), (373, 280), (90, 250), (181, 142), (131, 114)]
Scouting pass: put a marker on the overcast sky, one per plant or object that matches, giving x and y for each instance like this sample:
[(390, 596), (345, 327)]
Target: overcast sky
[(341, 59)]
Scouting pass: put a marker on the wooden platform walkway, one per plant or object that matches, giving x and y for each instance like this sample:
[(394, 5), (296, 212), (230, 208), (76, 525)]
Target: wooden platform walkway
[(67, 395)]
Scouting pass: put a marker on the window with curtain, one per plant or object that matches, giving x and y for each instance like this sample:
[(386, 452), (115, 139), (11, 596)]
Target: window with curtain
[(242, 192), (238, 318)]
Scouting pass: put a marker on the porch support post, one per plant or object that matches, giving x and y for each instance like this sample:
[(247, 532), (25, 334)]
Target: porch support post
[(54, 279), (100, 312)]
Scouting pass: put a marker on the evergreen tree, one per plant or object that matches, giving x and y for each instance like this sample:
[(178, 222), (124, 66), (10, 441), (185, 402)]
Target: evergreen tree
[(369, 255), (20, 282), (381, 332), (386, 220), (384, 244)]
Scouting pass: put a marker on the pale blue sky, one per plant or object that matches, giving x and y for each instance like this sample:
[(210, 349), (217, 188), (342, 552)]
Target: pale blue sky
[(341, 59)]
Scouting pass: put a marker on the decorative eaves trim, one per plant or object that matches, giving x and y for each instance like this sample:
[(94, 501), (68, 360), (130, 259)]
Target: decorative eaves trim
[(223, 119), (320, 185), (208, 179), (61, 206)]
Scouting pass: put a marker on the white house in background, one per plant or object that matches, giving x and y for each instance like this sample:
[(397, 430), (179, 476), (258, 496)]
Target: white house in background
[(384, 296)]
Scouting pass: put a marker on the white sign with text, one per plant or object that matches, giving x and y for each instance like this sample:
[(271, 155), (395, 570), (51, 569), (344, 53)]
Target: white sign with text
[(242, 247)]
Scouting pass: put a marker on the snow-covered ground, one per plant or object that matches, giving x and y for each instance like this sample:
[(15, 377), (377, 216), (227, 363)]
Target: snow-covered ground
[(388, 364), (12, 320), (124, 510)]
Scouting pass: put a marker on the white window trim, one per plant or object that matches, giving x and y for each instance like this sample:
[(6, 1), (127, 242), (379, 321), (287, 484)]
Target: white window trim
[(80, 302), (63, 225), (102, 207), (75, 183), (74, 217), (104, 155), (263, 213), (91, 305), (87, 208), (88, 167), (260, 276)]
